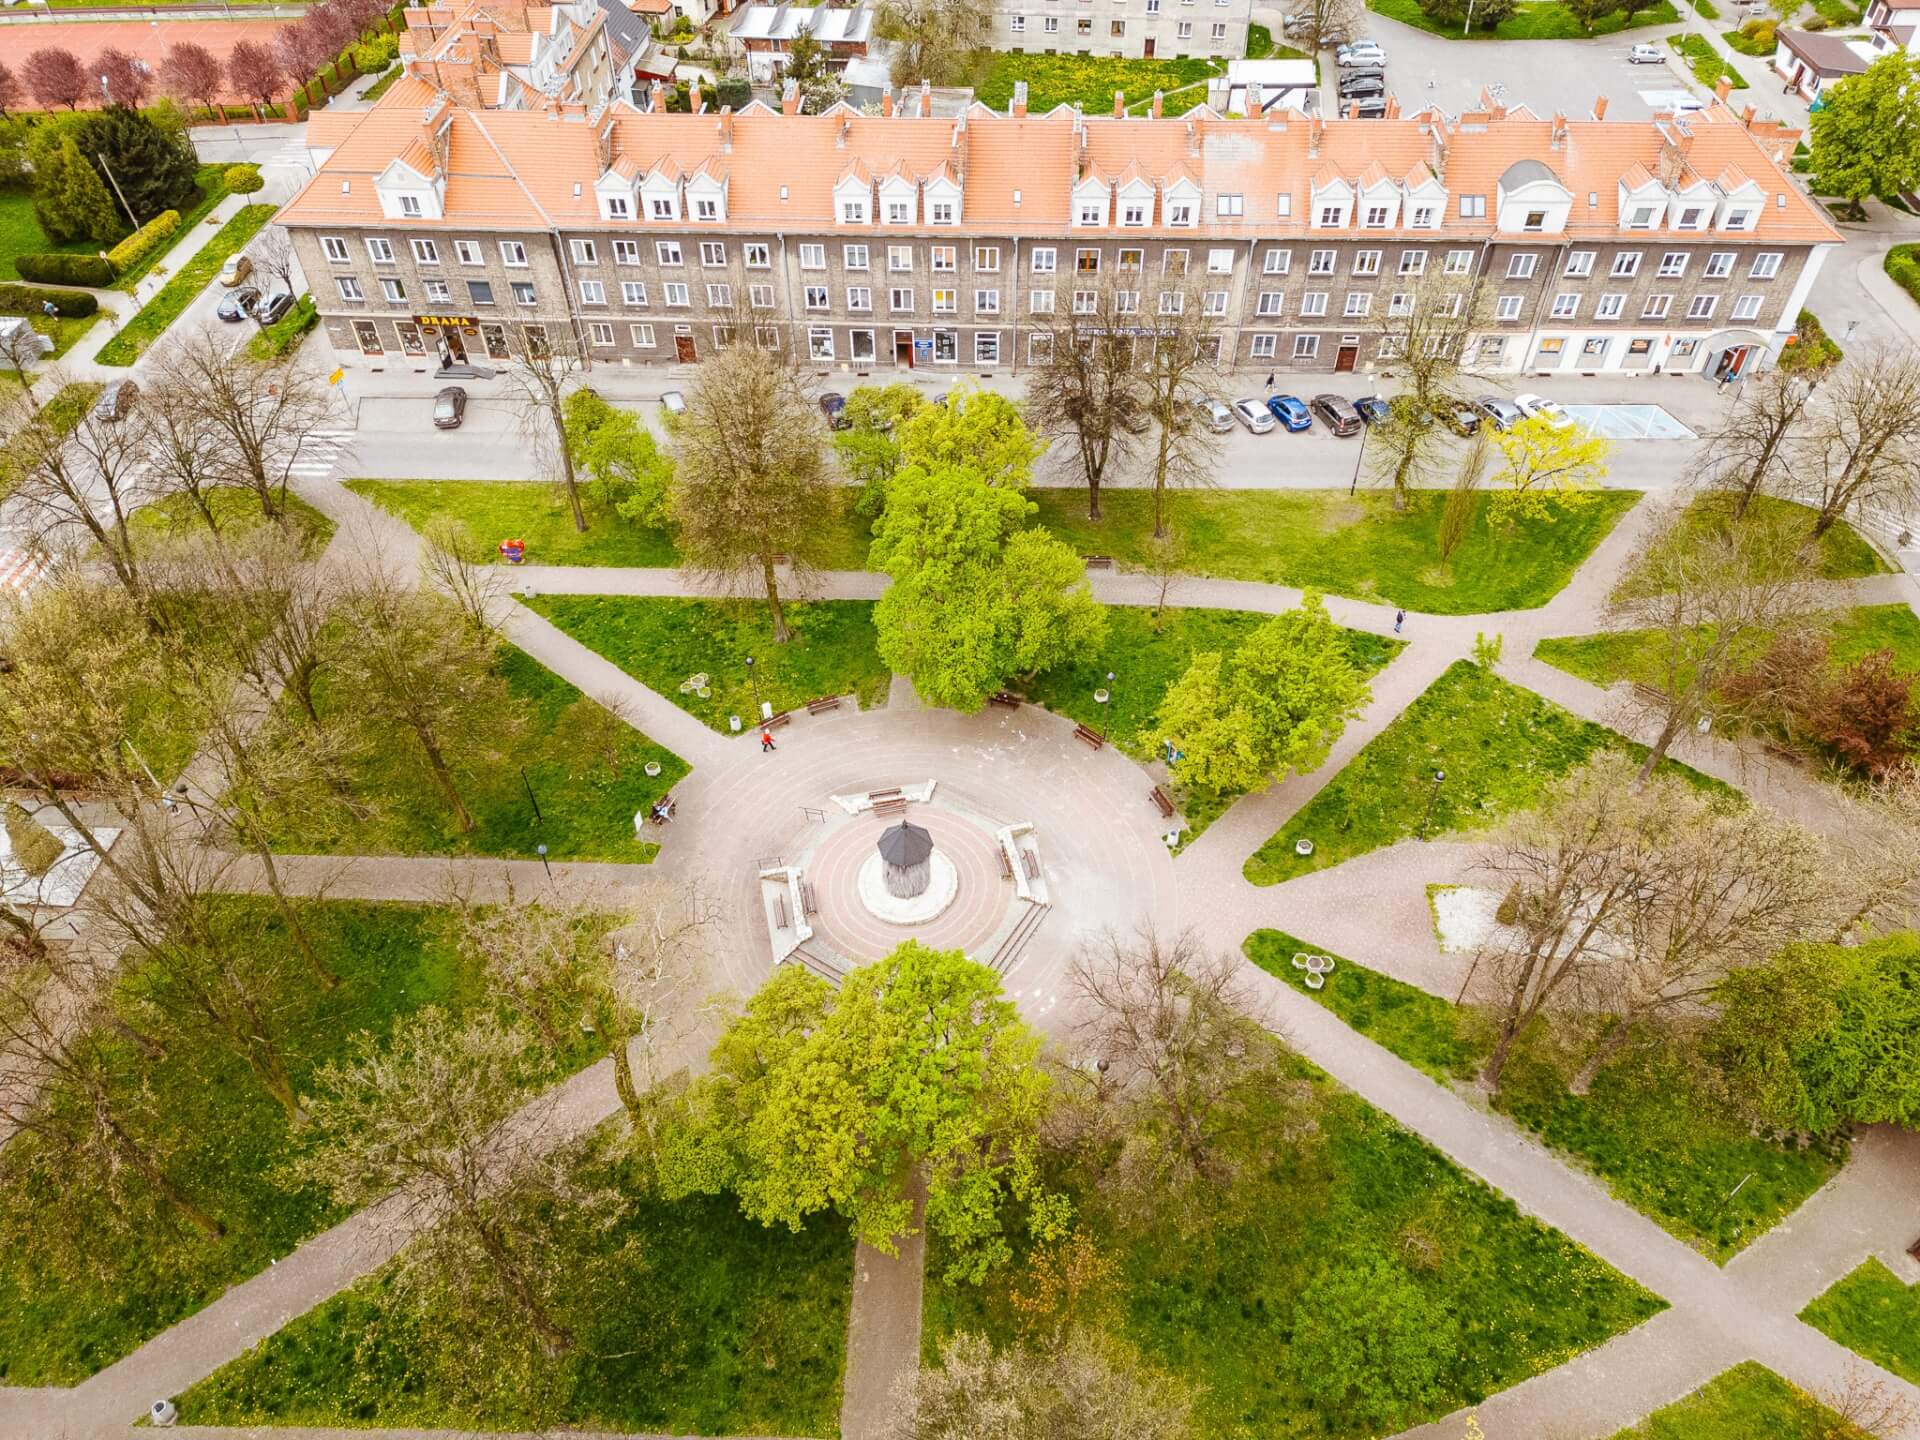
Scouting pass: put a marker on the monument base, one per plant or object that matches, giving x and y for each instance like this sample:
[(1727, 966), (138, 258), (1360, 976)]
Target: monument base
[(943, 883)]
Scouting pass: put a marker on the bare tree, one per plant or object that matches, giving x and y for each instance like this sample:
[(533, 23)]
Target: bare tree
[(261, 411), (20, 350), (1864, 435), (933, 38), (455, 562), (539, 957), (1867, 1405), (1755, 451), (654, 962), (1427, 345), (1084, 385), (1323, 22), (1087, 1389), (1878, 852), (542, 367), (751, 482), (1179, 367), (184, 446)]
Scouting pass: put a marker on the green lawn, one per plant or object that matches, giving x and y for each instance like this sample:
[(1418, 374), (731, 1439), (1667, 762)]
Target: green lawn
[(212, 181), (66, 409), (1651, 1128), (185, 286), (1708, 64), (81, 1287), (1839, 12), (20, 233), (1358, 547), (663, 643), (234, 507), (1532, 21), (1744, 45), (538, 513), (1842, 553), (1500, 746), (1616, 655), (586, 811), (1748, 1402), (1091, 80), (1873, 1313), (720, 1327), (1218, 1307)]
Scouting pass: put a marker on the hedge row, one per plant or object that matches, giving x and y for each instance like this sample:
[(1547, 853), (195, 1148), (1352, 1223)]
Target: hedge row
[(27, 300), (143, 242), (1903, 266), (60, 269)]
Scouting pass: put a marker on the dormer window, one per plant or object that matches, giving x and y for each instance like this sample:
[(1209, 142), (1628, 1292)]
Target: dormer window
[(1640, 217), (662, 208), (1091, 212), (1133, 213), (410, 205), (706, 209), (1691, 218), (899, 212), (1535, 220), (1376, 217), (1332, 215), (618, 209), (853, 212), (1423, 217), (1180, 212), (943, 212), (1741, 219)]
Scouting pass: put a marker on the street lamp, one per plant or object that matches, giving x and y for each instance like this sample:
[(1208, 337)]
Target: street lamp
[(1359, 459), (1100, 698), (541, 851), (753, 679), (1432, 795)]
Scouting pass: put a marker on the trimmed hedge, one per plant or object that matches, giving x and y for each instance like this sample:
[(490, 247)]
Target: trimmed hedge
[(27, 300), (143, 242), (1904, 269), (60, 269), (1814, 350)]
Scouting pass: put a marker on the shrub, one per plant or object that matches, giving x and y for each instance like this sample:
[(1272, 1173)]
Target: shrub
[(243, 179), (27, 300), (1867, 714), (373, 55), (59, 269), (144, 241), (1815, 22), (1904, 269), (1814, 350)]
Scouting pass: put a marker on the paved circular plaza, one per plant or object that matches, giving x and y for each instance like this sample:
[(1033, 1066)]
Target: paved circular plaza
[(845, 925)]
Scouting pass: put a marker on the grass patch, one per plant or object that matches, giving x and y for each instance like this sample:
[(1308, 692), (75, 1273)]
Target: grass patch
[(1532, 21), (1873, 1313), (1654, 1127), (723, 1327), (20, 234), (1743, 1403), (212, 181), (59, 1324), (66, 409), (537, 512), (1145, 661), (1839, 12), (1359, 547), (284, 333), (1259, 42), (385, 83), (662, 642), (1705, 9), (1841, 554), (1218, 1307), (1749, 46), (233, 507), (185, 286), (1499, 744), (1618, 655), (1708, 64), (1091, 80), (586, 810)]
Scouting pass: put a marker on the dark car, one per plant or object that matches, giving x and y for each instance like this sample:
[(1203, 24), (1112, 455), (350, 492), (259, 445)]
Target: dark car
[(1291, 411), (238, 304), (274, 307), (1335, 414), (449, 408), (1461, 419), (1372, 107), (1363, 90), (116, 400), (833, 405), (1373, 410), (1371, 73)]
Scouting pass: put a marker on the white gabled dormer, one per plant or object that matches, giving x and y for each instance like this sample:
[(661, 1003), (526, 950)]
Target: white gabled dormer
[(853, 196), (1092, 201), (1377, 199), (407, 189), (1133, 199), (615, 191), (1331, 207), (706, 192), (1741, 201), (660, 192), (1423, 201), (899, 197), (1532, 200), (1643, 199), (1180, 199), (944, 197)]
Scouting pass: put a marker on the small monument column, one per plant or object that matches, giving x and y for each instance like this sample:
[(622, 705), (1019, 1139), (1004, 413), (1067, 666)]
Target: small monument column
[(906, 851)]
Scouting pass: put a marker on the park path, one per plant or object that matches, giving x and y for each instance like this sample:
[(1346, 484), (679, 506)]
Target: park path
[(883, 1329)]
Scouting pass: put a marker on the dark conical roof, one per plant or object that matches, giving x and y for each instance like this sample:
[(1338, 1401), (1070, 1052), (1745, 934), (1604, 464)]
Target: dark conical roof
[(905, 845)]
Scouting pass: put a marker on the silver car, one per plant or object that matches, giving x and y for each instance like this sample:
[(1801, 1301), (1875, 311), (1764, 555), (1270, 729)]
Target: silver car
[(1218, 417), (1254, 415), (1503, 415)]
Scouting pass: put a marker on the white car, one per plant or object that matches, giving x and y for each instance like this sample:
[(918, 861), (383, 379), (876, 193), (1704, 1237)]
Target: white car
[(1645, 55), (1254, 415), (1363, 52), (1535, 406)]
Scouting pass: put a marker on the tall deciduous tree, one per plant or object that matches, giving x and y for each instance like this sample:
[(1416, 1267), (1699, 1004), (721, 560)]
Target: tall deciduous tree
[(129, 82), (1755, 450), (1427, 346), (1370, 1344), (932, 39), (1866, 133), (1179, 367), (542, 367), (977, 429), (1083, 387), (1084, 1389), (1866, 436), (56, 77), (751, 481), (262, 413), (628, 472), (191, 72), (253, 70), (10, 92), (1546, 466)]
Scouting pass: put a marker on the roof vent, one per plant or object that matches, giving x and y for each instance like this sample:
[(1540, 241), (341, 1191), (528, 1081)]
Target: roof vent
[(346, 186), (1593, 199), (1016, 197), (576, 189)]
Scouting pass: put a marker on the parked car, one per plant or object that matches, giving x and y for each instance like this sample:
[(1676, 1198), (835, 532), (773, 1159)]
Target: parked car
[(1368, 87), (1461, 419), (449, 408), (1501, 414), (1645, 55), (1533, 406), (1335, 413), (1218, 417), (116, 400), (674, 403), (1362, 72), (1373, 410), (237, 268), (1254, 415), (239, 305), (1291, 411), (833, 405), (1360, 53), (275, 306)]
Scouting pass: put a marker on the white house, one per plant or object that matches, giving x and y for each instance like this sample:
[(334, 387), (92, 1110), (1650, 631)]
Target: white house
[(1809, 61)]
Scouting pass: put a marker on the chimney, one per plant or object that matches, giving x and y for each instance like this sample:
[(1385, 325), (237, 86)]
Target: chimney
[(886, 101), (1353, 110), (1018, 108), (1316, 132), (1557, 136), (1119, 104), (926, 98), (1254, 96), (726, 129), (1393, 107), (1722, 88), (694, 102), (657, 98), (789, 97), (1746, 117), (1600, 108), (1159, 102)]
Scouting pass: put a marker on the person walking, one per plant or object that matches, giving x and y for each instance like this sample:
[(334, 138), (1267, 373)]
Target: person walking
[(1399, 619), (1270, 375), (766, 740)]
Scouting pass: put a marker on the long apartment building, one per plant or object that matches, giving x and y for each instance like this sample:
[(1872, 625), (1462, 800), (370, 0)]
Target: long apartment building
[(439, 233), (1129, 29)]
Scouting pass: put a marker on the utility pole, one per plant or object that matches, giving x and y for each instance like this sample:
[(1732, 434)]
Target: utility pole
[(112, 180)]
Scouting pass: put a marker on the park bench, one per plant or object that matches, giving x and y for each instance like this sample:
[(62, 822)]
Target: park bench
[(823, 704), (662, 809), (780, 911), (1161, 799), (1005, 699), (1092, 738), (1032, 863), (1006, 866), (807, 904), (896, 806), (774, 722), (1098, 562)]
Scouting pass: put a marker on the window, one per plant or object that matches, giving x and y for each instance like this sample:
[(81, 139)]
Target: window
[(1180, 213), (335, 248), (495, 337), (1507, 307), (1083, 25), (468, 252), (1376, 217), (1219, 28), (1579, 264), (1314, 302), (367, 337), (1184, 29), (1413, 262), (706, 209), (767, 337), (1366, 262), (862, 344), (1040, 302), (1400, 303), (1173, 262), (626, 252), (480, 292), (1741, 219), (1126, 302), (1093, 212), (425, 252), (820, 344), (1264, 346), (760, 297), (1321, 263), (815, 297), (1282, 204), (1459, 262), (1423, 217), (410, 340), (1215, 302), (1765, 266), (674, 293), (1657, 307), (1691, 218), (1610, 306), (945, 302), (1269, 302), (381, 251), (986, 347), (720, 296), (513, 253), (1719, 265), (813, 257), (899, 257), (663, 207), (617, 207), (1672, 264), (1473, 207), (1641, 217), (900, 299), (1083, 302), (854, 257), (757, 255), (942, 212), (633, 292), (1043, 261), (899, 212), (1332, 216), (668, 252), (392, 291), (1220, 262), (1051, 24), (712, 252), (1566, 305), (1392, 347), (1133, 212), (522, 292), (1535, 220), (986, 302), (1747, 307), (852, 212), (943, 258), (1625, 265), (1520, 267), (946, 347), (600, 335), (1087, 262), (1278, 262), (350, 290), (859, 297), (1117, 29), (592, 292), (1228, 207), (1701, 307), (642, 335), (1306, 347), (1359, 302), (584, 252), (986, 257), (1017, 23), (440, 292)]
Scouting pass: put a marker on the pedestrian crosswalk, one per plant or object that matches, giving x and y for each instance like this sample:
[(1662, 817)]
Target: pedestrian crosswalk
[(321, 454), (20, 569)]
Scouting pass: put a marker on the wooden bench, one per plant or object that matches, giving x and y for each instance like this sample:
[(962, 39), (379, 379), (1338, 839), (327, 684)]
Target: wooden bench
[(1032, 864), (780, 911), (1006, 866), (1005, 699), (774, 722), (1161, 799), (662, 809), (1092, 738), (823, 704), (895, 806), (1098, 562), (807, 904), (879, 795)]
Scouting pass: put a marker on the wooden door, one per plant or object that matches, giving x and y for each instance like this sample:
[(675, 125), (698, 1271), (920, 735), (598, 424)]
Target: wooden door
[(683, 349), (1344, 361)]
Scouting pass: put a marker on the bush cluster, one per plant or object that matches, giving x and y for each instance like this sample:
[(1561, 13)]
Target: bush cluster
[(27, 300), (1905, 269), (243, 179), (143, 242), (61, 269)]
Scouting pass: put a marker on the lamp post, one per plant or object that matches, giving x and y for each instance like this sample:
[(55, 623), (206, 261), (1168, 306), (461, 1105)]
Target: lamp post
[(1432, 795), (753, 679), (1100, 698), (537, 819), (541, 851), (1359, 459)]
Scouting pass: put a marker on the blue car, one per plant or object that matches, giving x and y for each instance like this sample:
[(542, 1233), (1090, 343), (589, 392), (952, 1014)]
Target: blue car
[(1291, 411)]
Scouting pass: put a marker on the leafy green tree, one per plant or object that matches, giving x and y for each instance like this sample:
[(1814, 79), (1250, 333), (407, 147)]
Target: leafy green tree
[(1487, 14), (71, 201), (1866, 137), (834, 1100), (869, 449), (1199, 715), (1546, 466), (1588, 11), (155, 168), (975, 428), (629, 473), (1370, 1345)]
